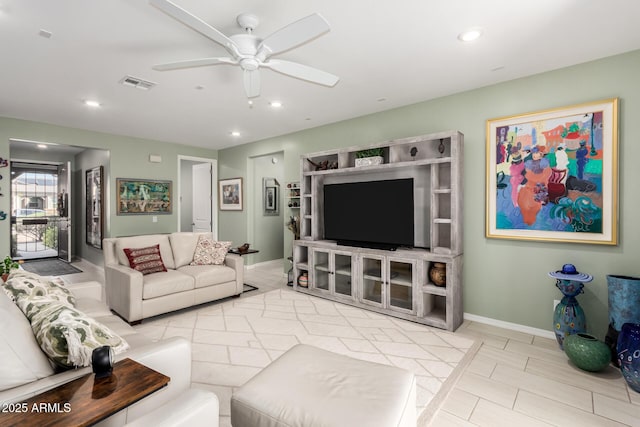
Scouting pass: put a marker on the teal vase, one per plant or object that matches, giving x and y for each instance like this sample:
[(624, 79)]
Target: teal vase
[(587, 352), (569, 317)]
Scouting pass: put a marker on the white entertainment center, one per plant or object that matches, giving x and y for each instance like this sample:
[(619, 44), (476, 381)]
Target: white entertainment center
[(394, 282)]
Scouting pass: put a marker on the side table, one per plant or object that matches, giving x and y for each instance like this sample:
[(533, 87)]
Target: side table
[(235, 251), (87, 400)]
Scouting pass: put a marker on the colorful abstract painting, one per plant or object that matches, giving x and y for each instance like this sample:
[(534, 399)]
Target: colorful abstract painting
[(552, 175)]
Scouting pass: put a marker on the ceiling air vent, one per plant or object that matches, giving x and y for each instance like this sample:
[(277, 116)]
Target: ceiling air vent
[(137, 83)]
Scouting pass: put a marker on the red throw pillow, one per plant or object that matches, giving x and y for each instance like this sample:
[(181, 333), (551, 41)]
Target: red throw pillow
[(145, 260)]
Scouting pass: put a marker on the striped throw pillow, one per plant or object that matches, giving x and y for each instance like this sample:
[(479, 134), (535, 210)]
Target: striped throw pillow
[(145, 260)]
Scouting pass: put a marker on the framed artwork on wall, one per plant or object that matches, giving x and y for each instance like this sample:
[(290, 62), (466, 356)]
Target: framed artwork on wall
[(270, 196), (94, 206), (143, 197), (553, 175), (230, 191)]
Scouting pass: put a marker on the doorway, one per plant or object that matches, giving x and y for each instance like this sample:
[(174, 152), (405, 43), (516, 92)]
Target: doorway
[(264, 193), (39, 211), (198, 197)]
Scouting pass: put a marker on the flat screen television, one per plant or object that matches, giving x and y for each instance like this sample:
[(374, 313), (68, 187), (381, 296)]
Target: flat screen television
[(376, 214)]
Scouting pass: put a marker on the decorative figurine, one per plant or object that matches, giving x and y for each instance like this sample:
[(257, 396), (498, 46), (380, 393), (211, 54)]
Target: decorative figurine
[(568, 317), (102, 360)]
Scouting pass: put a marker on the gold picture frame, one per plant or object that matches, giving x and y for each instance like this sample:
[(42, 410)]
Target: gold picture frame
[(552, 175)]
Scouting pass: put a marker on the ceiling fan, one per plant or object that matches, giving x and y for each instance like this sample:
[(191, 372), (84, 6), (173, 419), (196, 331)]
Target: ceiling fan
[(251, 52)]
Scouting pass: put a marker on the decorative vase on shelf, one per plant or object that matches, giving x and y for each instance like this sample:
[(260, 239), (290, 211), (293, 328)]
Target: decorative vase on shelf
[(438, 273), (587, 352), (303, 280), (568, 317), (624, 307), (629, 354)]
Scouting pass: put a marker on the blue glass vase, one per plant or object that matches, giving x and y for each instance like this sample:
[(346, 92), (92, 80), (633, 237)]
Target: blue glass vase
[(568, 317), (624, 307), (629, 354)]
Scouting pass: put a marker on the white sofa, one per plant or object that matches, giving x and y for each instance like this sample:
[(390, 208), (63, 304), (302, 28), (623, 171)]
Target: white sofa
[(134, 296), (172, 357)]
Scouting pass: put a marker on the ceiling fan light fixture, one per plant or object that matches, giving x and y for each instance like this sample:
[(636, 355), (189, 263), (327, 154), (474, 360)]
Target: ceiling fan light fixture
[(470, 35)]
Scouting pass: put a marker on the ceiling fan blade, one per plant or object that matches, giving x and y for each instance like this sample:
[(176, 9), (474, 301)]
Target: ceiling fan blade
[(252, 83), (193, 22), (193, 63), (295, 34), (303, 72)]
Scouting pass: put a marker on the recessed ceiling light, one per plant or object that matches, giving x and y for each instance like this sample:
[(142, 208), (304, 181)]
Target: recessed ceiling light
[(91, 103), (235, 133), (470, 35), (276, 104), (42, 146)]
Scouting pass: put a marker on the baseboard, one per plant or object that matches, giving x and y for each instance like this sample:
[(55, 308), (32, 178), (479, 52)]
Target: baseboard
[(271, 263), (511, 326)]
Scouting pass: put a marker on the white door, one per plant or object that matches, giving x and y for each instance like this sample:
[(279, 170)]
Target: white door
[(201, 185), (64, 212)]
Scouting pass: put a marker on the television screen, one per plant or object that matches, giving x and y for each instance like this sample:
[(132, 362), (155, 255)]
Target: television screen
[(370, 214)]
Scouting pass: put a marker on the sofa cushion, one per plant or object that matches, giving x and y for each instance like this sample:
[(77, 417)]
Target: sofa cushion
[(183, 245), (69, 336), (208, 275), (145, 260), (31, 285), (143, 242), (210, 252), (167, 283), (22, 359)]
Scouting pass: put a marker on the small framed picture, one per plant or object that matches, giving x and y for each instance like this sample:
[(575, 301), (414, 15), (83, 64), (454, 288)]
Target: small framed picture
[(230, 191)]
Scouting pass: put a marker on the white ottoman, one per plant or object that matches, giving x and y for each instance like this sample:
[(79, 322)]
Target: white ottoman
[(311, 387)]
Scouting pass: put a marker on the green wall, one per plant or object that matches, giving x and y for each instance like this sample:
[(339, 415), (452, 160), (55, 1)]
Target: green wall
[(129, 158), (504, 280)]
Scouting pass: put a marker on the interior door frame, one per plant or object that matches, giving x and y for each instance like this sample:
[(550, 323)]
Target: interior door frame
[(67, 210), (11, 207), (214, 190)]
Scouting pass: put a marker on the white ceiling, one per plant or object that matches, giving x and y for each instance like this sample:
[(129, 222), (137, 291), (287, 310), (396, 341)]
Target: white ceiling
[(386, 53)]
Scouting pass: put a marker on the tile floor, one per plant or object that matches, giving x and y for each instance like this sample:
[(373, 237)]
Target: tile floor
[(511, 378)]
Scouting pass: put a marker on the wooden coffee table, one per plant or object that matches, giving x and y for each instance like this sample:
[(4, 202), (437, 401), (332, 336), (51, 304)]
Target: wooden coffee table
[(86, 400)]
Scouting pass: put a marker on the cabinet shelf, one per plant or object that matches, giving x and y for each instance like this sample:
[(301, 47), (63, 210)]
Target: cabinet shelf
[(384, 166), (442, 220), (344, 270), (434, 290)]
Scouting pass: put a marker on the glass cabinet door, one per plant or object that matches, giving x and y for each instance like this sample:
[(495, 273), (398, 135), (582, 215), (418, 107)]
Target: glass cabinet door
[(320, 270), (343, 272), (401, 275), (372, 282)]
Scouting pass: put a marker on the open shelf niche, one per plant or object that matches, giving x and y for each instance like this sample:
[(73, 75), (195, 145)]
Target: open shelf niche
[(391, 282)]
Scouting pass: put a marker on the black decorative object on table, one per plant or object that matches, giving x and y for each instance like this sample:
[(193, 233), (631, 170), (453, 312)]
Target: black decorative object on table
[(102, 360)]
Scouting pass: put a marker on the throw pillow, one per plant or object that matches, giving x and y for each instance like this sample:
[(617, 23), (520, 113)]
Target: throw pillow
[(210, 252), (69, 336), (145, 260), (23, 283)]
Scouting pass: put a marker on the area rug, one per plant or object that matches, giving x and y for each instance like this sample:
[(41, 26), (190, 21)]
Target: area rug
[(232, 341), (248, 288), (50, 267)]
